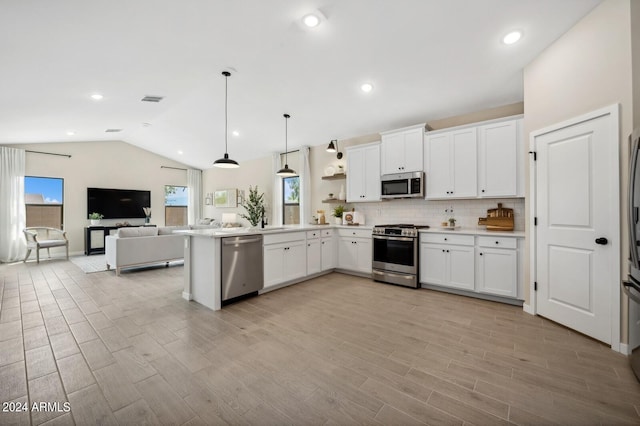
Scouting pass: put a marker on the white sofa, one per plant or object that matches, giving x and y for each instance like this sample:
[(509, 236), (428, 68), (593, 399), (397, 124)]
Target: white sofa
[(132, 247)]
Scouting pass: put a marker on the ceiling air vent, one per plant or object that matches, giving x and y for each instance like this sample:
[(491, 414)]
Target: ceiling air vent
[(113, 130), (149, 98)]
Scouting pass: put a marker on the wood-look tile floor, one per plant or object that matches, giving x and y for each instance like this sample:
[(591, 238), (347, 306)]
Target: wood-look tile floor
[(334, 350)]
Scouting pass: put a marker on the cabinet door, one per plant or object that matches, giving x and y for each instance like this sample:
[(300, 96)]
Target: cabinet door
[(432, 264), (314, 256), (437, 164), (372, 189), (460, 267), (392, 157), (498, 271), (364, 255), (497, 159), (464, 164), (329, 253), (295, 260), (273, 265), (413, 150), (347, 253), (355, 175)]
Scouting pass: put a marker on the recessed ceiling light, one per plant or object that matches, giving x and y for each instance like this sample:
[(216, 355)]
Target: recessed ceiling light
[(311, 20), (235, 133), (97, 96), (71, 133), (512, 37), (146, 124), (180, 152), (366, 87)]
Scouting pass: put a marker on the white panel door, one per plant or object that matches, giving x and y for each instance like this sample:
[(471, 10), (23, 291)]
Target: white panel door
[(437, 161), (573, 195), (464, 155)]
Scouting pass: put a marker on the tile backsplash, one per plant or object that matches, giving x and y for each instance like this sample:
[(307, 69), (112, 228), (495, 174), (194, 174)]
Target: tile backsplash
[(422, 212)]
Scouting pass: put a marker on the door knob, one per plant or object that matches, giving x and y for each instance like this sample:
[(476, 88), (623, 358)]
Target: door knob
[(602, 241)]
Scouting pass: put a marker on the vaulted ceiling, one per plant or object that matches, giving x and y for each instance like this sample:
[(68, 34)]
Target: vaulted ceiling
[(427, 59)]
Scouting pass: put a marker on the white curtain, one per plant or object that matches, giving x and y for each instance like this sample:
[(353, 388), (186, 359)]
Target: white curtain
[(276, 215), (305, 186), (12, 210), (194, 208)]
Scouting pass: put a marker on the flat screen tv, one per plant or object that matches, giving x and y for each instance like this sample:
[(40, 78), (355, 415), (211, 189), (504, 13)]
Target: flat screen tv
[(117, 203)]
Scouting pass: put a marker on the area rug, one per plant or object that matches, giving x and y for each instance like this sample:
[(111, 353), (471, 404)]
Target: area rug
[(90, 264)]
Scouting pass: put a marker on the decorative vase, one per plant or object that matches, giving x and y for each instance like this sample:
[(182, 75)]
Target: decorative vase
[(338, 221), (341, 195), (95, 222)]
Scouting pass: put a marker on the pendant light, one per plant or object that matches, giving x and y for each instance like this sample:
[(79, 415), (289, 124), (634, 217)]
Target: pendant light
[(226, 162), (334, 148), (286, 171)]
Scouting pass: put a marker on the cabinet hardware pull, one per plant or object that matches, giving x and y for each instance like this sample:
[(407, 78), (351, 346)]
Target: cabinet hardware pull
[(480, 254)]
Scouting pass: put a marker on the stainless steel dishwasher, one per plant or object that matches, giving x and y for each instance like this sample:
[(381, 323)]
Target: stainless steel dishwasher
[(242, 266)]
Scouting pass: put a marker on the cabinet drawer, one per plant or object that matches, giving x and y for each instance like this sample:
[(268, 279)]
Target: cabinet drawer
[(284, 237), (463, 240), (327, 233), (364, 233), (313, 234), (499, 242)]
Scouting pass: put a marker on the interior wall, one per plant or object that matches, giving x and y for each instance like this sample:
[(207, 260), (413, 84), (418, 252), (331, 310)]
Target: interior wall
[(111, 164), (588, 68)]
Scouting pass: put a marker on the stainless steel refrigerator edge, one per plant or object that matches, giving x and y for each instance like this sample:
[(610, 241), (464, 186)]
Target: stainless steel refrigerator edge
[(242, 266), (632, 286)]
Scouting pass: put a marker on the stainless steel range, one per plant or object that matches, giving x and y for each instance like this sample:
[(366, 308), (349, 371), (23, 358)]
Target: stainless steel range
[(395, 254)]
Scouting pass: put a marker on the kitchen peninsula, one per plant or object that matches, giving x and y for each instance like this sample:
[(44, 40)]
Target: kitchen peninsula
[(290, 254)]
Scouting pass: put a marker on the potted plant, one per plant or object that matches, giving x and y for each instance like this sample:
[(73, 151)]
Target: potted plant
[(337, 213), (95, 218), (254, 206)]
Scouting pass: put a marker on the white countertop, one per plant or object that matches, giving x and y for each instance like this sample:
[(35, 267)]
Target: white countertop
[(473, 231), (234, 232)]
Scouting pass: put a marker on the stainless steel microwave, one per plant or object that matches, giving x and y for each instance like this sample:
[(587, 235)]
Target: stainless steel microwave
[(403, 185)]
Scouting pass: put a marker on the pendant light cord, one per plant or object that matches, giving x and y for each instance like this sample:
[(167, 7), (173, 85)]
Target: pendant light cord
[(226, 81), (286, 139)]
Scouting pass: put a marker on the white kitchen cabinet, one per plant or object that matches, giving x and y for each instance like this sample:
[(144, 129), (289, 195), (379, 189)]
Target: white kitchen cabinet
[(499, 159), (314, 256), (328, 249), (447, 265), (363, 178), (284, 260), (497, 266), (450, 164), (354, 250), (402, 150)]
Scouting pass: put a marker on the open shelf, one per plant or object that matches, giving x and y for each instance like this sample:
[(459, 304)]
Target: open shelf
[(333, 200), (335, 176)]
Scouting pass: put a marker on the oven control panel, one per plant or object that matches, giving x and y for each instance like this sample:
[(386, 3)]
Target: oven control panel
[(403, 232)]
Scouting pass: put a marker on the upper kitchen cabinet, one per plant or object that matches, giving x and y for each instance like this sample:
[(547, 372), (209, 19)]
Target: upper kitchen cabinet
[(363, 179), (450, 164), (402, 150), (500, 159)]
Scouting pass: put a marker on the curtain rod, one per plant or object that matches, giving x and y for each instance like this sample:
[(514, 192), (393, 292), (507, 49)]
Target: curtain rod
[(174, 168), (290, 152), (48, 153)]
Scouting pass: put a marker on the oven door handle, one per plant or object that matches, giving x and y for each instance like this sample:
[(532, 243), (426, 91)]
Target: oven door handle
[(384, 237), (391, 274)]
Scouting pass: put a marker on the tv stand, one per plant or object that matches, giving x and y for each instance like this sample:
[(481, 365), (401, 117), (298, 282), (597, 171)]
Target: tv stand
[(94, 237)]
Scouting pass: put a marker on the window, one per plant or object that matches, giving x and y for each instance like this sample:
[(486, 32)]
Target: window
[(291, 200), (43, 199), (176, 199)]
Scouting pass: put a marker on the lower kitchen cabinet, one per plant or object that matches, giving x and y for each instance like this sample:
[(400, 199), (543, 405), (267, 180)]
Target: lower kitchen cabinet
[(476, 264), (328, 250), (354, 250), (314, 256), (497, 267), (447, 265), (284, 261)]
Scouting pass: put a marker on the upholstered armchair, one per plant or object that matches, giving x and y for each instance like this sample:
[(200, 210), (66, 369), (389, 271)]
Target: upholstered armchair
[(42, 237)]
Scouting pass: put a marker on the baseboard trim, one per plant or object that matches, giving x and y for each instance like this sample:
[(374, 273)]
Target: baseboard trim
[(187, 296), (528, 309), (624, 349)]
